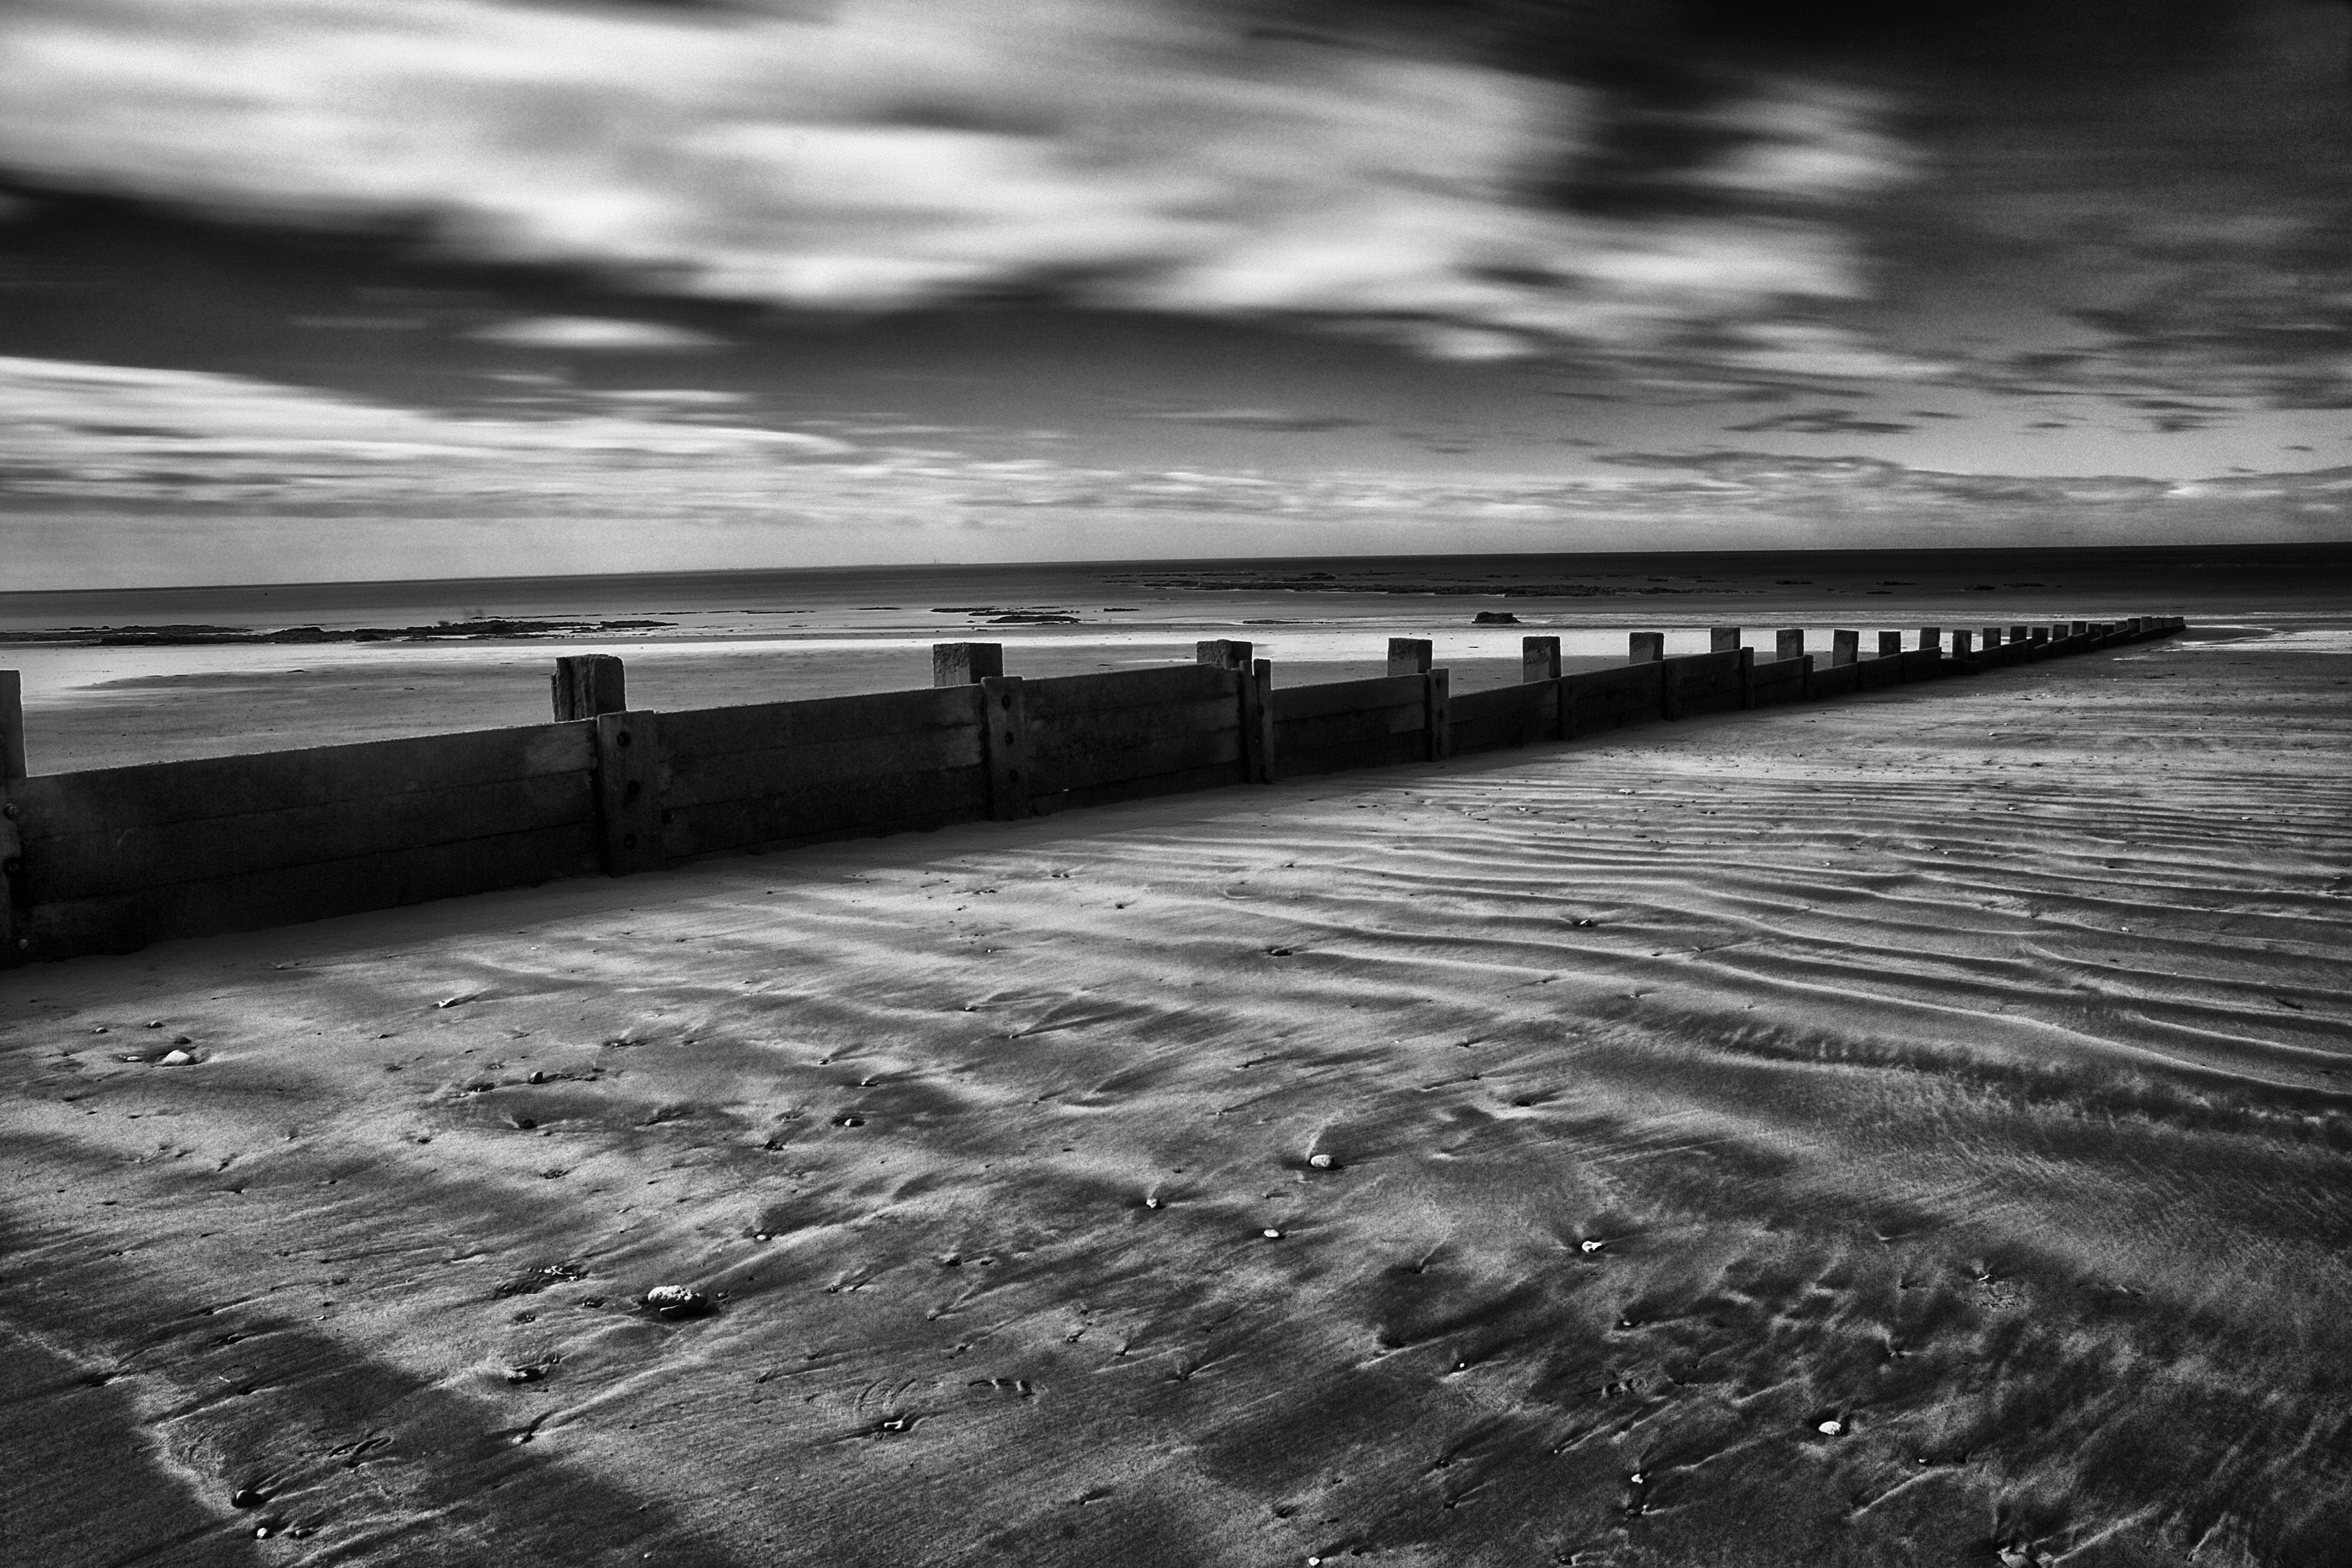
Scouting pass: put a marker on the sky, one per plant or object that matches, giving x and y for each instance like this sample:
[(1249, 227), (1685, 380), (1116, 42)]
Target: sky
[(331, 289)]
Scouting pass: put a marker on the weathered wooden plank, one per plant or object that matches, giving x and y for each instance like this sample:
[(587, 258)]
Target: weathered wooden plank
[(1062, 696), (1923, 664), (746, 775), (839, 809), (1506, 716), (1296, 702), (1700, 683), (159, 854), (1186, 781), (698, 733), (1831, 681), (1608, 698), (291, 894), (1386, 751), (1108, 728), (1078, 761), (1872, 673), (1363, 726), (101, 799), (1257, 720)]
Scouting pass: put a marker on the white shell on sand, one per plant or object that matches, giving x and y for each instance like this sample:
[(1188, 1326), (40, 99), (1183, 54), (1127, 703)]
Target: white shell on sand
[(1831, 1429), (1320, 1162), (676, 1301), (174, 1059), (1590, 1245), (1271, 1234)]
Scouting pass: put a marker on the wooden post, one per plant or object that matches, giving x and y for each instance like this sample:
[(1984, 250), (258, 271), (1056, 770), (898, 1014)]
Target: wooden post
[(16, 897), (1670, 689), (1963, 645), (1789, 642), (2038, 634), (1006, 732), (1992, 637), (1223, 654), (1646, 647), (1746, 678), (966, 663), (1261, 712), (1845, 648), (2021, 633), (1890, 644), (1438, 713), (1539, 659), (1409, 656), (1722, 640), (1805, 676), (588, 684), (2078, 628), (629, 791), (1931, 637)]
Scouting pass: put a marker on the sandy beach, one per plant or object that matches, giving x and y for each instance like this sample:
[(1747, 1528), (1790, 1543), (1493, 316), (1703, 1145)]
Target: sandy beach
[(1891, 1132)]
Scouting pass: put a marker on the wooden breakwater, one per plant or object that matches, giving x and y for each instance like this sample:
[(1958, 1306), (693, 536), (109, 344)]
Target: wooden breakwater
[(108, 859)]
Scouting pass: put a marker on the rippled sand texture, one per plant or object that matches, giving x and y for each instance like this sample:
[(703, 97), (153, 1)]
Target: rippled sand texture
[(1884, 1134)]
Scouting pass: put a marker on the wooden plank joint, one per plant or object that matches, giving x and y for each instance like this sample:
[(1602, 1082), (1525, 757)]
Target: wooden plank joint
[(1006, 729)]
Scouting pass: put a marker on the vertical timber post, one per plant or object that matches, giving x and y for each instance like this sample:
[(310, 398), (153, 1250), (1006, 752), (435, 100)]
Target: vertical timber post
[(1845, 648), (1747, 679), (1722, 640), (588, 684), (1437, 713), (1890, 644), (1789, 642), (1646, 647), (629, 791), (1964, 644), (1222, 653), (1932, 638), (966, 663), (16, 896), (1260, 679), (1538, 662), (1006, 732), (1410, 656)]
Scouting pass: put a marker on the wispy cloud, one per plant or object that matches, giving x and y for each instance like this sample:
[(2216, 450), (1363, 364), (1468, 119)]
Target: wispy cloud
[(594, 334)]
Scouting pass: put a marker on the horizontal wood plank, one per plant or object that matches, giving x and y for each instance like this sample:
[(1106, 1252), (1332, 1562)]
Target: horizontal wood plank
[(748, 775), (1306, 762), (695, 733), (837, 808), (1182, 780), (287, 895), (1506, 716), (1054, 697), (99, 865), (1075, 764), (1834, 679), (1361, 727), (1292, 703), (100, 800)]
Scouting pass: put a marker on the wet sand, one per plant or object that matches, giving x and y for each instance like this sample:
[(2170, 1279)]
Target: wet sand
[(1887, 1132)]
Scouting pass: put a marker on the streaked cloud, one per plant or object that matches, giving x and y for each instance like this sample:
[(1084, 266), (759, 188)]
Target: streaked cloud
[(594, 334), (876, 154)]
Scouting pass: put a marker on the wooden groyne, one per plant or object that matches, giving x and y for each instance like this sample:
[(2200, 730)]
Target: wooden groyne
[(110, 860)]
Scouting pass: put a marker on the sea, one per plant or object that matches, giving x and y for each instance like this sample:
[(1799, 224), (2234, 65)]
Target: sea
[(114, 678)]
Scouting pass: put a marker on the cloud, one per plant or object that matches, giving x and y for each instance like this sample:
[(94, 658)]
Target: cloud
[(594, 334), (877, 154), (1824, 422), (76, 433), (1256, 419)]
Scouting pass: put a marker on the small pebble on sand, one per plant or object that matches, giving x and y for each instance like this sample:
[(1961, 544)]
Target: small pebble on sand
[(1590, 1245), (1831, 1427), (1271, 1234), (175, 1058), (1321, 1161)]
